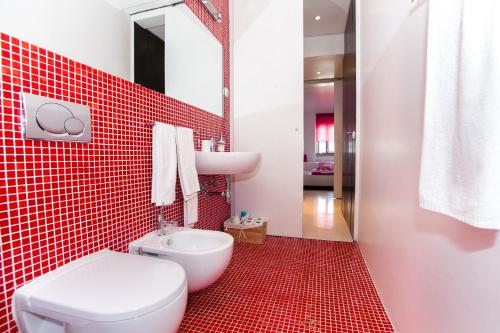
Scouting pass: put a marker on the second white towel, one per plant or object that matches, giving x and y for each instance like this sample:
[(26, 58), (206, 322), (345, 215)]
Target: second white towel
[(188, 175)]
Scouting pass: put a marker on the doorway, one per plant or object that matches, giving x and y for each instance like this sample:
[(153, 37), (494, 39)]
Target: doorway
[(322, 216), (325, 23)]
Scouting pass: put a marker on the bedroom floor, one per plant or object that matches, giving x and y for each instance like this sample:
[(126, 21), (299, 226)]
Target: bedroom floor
[(322, 217)]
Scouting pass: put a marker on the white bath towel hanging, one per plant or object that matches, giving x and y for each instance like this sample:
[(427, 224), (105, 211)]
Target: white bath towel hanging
[(164, 164), (460, 168), (187, 174)]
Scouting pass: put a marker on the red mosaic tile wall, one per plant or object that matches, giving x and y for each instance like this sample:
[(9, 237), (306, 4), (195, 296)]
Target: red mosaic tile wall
[(60, 200)]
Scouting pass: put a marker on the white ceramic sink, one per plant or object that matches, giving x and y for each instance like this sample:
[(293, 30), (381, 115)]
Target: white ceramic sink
[(227, 163)]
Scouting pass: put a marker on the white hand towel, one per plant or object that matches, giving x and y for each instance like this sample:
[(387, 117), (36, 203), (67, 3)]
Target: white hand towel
[(191, 210), (460, 167), (164, 164), (187, 174)]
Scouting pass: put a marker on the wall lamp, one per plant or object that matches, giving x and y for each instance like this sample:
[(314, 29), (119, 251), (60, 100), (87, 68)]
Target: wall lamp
[(212, 10)]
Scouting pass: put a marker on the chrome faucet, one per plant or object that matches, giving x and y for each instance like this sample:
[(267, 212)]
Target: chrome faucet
[(161, 223), (164, 227), (170, 227)]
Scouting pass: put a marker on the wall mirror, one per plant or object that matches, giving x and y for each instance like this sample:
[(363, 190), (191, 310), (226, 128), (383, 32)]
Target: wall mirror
[(174, 53)]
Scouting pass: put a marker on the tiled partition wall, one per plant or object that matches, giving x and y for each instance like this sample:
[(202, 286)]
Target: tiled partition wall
[(60, 201)]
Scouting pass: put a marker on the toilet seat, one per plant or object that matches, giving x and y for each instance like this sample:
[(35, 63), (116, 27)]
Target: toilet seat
[(105, 286)]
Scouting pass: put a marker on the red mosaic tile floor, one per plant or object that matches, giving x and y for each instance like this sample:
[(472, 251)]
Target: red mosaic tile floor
[(290, 285)]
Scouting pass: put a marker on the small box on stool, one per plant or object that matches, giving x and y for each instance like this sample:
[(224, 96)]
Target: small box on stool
[(252, 230)]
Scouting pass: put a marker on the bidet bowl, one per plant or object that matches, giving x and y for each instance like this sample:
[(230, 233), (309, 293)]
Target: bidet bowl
[(204, 254)]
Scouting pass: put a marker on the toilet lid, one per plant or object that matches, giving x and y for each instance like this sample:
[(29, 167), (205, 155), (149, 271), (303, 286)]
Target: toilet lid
[(109, 286)]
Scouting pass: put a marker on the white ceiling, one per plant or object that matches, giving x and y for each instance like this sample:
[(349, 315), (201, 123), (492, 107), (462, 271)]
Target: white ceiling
[(134, 6), (333, 15), (155, 24)]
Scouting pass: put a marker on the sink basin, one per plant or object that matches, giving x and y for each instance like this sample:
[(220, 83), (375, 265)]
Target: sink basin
[(227, 163)]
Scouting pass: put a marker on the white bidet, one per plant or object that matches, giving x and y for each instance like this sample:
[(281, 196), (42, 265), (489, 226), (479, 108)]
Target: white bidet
[(204, 254)]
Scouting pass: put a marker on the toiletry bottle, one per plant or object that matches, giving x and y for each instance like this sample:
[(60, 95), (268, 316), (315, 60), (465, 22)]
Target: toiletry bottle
[(212, 144), (221, 144), (243, 215), (206, 145)]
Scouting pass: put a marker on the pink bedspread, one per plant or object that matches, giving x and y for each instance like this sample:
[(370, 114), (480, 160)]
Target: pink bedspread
[(323, 169)]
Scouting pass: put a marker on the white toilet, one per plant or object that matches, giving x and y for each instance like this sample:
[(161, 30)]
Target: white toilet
[(105, 292)]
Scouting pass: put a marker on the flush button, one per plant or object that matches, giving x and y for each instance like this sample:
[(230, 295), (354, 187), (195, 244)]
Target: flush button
[(55, 120), (74, 126), (51, 117)]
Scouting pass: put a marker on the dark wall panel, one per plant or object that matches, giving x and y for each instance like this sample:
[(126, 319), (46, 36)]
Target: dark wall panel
[(149, 59), (349, 119)]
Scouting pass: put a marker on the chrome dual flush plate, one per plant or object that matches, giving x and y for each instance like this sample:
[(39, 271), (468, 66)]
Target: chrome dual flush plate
[(53, 120)]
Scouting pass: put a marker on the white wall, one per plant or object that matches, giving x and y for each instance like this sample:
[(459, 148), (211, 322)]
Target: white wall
[(434, 274), (324, 45), (268, 109), (88, 31)]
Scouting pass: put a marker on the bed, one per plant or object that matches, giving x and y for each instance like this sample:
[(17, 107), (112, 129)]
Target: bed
[(318, 174)]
